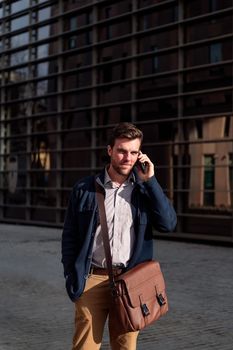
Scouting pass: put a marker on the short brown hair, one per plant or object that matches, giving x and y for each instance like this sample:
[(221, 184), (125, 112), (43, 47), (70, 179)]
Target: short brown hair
[(125, 130)]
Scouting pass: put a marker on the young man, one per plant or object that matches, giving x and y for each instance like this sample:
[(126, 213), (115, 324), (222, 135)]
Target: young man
[(134, 203)]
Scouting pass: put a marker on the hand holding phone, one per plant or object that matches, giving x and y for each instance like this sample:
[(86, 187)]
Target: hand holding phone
[(142, 166), (145, 166)]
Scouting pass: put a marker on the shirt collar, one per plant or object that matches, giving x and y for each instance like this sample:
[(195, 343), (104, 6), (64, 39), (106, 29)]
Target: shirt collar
[(107, 180)]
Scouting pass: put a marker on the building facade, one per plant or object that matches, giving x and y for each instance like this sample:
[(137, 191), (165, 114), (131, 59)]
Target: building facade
[(71, 70)]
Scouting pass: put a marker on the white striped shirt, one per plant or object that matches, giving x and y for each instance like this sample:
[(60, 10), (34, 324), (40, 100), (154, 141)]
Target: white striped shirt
[(120, 224)]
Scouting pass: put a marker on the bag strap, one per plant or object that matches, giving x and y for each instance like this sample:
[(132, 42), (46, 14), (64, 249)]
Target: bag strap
[(104, 232)]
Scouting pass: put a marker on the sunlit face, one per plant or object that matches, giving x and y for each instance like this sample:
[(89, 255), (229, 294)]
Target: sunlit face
[(124, 155)]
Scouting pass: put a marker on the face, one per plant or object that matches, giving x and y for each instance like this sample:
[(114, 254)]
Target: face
[(124, 155)]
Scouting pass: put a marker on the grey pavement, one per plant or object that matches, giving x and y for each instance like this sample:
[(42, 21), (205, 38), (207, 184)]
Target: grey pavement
[(36, 314)]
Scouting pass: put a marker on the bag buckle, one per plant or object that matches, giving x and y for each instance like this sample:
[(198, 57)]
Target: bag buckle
[(114, 291), (161, 300), (145, 310)]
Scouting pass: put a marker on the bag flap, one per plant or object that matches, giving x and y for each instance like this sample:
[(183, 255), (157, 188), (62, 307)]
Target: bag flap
[(143, 282), (142, 273)]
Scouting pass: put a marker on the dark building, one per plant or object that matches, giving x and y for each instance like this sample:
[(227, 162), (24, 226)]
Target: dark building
[(70, 70)]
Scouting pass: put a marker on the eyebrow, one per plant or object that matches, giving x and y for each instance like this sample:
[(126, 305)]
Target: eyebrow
[(125, 151)]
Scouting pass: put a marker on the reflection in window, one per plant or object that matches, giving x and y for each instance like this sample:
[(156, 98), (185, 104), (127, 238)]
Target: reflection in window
[(19, 57), (199, 128), (209, 180), (43, 32), (19, 5), (73, 23), (43, 69), (41, 162), (42, 87), (213, 5), (155, 59), (231, 176), (107, 70), (42, 51), (215, 52), (20, 22), (19, 40), (44, 14), (72, 42), (108, 14), (19, 74)]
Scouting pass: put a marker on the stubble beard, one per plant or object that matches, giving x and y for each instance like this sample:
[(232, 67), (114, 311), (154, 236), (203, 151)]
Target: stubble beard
[(120, 171)]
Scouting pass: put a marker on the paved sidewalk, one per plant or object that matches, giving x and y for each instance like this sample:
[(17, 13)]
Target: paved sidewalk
[(35, 313)]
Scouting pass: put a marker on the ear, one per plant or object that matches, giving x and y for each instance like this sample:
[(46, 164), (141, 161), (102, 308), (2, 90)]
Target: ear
[(109, 149)]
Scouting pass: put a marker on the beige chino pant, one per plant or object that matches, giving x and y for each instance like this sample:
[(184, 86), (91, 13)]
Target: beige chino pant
[(91, 312)]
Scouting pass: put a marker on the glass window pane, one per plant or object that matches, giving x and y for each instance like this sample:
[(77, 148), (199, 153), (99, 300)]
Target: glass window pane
[(42, 51), (19, 57), (231, 176), (215, 52), (46, 68), (44, 14), (19, 40), (43, 32), (19, 5), (19, 74), (20, 22), (43, 69), (209, 180)]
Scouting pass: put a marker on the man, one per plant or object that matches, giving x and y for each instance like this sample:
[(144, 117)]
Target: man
[(134, 203)]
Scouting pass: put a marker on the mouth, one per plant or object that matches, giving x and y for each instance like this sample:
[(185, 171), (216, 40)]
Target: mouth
[(126, 165)]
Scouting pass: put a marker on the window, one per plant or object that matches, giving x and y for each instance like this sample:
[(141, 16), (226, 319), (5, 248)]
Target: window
[(72, 42), (44, 14), (19, 57), (199, 128), (20, 22), (215, 52), (109, 33), (213, 5), (73, 23), (19, 5), (227, 126), (155, 59), (42, 51), (43, 32), (209, 180), (107, 70), (145, 24), (231, 176), (20, 39)]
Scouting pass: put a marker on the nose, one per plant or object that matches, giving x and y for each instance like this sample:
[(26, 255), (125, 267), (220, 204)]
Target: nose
[(127, 156)]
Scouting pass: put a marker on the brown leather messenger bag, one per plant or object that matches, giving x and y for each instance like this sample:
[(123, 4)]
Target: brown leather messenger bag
[(138, 295)]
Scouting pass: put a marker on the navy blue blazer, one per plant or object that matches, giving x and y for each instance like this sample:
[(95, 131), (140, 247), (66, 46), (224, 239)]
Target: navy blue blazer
[(150, 209)]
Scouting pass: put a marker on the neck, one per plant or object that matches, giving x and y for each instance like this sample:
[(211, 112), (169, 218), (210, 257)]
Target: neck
[(116, 177)]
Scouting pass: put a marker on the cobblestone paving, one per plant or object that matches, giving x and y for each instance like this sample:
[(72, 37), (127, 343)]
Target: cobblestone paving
[(35, 313)]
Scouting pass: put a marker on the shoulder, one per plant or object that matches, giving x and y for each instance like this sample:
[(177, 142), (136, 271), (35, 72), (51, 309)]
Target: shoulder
[(85, 184)]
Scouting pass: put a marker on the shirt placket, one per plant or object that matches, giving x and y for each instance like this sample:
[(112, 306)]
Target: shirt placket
[(117, 225)]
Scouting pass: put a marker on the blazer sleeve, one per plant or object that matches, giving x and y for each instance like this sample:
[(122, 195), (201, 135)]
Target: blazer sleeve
[(70, 236), (162, 212)]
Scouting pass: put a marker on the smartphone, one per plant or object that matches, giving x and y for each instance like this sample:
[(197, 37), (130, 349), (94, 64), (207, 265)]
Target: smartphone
[(142, 166)]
